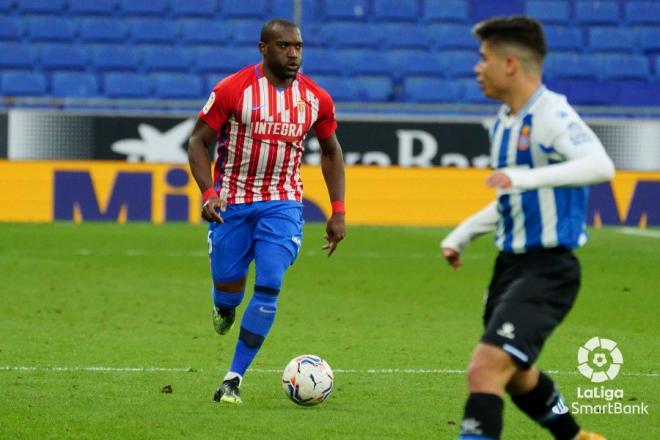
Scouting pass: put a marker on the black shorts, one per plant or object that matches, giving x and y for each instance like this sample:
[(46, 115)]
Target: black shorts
[(529, 295)]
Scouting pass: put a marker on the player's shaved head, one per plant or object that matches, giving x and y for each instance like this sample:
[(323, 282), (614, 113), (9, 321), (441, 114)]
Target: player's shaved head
[(270, 29)]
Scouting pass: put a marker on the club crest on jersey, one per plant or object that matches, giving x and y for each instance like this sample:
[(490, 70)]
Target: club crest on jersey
[(301, 105), (524, 138)]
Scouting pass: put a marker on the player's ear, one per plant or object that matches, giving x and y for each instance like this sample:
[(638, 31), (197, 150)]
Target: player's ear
[(512, 64), (262, 48)]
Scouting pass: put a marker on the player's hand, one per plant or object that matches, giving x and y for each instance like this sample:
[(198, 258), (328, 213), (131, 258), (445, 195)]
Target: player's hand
[(499, 180), (453, 257), (210, 209), (335, 231)]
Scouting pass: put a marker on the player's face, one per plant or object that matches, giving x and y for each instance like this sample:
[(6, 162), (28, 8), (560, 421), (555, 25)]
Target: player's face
[(283, 53), (491, 72)]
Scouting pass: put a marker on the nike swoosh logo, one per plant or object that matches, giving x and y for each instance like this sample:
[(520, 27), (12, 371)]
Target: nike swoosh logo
[(262, 309), (257, 107)]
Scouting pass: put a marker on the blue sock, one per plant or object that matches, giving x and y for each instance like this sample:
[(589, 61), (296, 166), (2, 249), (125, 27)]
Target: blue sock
[(271, 262), (257, 321), (226, 300)]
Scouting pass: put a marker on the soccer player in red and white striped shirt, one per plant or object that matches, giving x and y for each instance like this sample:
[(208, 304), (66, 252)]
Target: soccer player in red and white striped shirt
[(253, 201)]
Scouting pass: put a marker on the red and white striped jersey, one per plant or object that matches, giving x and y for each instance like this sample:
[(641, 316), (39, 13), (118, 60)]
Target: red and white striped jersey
[(260, 132)]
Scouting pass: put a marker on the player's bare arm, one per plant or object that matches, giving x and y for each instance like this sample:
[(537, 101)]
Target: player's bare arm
[(332, 165), (200, 165), (474, 226)]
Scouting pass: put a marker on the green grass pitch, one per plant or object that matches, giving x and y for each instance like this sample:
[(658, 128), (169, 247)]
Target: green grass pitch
[(75, 297)]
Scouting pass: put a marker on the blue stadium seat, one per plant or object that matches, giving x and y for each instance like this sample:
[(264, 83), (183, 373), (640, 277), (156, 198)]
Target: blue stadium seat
[(480, 9), (143, 7), (255, 9), (115, 58), (21, 83), (373, 88), (363, 61), (196, 8), (647, 12), (245, 32), (415, 62), (223, 60), (351, 35), (548, 11), (16, 56), (11, 28), (51, 29), (39, 6), (74, 85), (405, 35), (211, 80), (425, 89), (562, 65), (6, 5), (472, 93), (311, 10), (638, 93), (339, 88), (177, 86), (452, 37), (563, 38), (96, 7), (165, 58), (346, 9), (395, 10), (649, 39), (445, 11), (626, 67), (597, 11), (587, 92), (323, 61), (313, 36), (611, 39), (63, 57), (459, 63), (126, 85), (202, 31), (151, 30), (102, 30)]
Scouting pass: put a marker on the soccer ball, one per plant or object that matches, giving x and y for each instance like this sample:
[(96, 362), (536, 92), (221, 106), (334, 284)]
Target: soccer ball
[(307, 380)]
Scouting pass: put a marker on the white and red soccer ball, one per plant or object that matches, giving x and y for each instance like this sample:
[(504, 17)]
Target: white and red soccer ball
[(307, 380)]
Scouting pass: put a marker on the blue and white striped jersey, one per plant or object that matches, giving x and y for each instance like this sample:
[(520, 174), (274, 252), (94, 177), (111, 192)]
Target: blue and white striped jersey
[(545, 131)]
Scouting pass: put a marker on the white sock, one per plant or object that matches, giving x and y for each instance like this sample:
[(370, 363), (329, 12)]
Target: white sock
[(230, 375)]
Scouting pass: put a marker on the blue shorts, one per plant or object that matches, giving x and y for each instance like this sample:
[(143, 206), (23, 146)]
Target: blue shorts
[(232, 243)]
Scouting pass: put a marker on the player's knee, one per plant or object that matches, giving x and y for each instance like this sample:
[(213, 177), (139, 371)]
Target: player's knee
[(523, 381), (271, 275), (233, 286), (490, 369), (478, 374), (271, 267)]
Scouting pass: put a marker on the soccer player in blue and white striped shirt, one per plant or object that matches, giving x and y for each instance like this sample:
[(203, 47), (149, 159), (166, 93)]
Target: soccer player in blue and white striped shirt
[(544, 157)]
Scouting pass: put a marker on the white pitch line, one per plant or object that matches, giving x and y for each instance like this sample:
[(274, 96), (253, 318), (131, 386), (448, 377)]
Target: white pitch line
[(441, 371), (140, 253), (639, 232)]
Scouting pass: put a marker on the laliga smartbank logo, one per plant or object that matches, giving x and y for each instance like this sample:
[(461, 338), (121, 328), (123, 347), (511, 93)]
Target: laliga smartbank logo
[(600, 360)]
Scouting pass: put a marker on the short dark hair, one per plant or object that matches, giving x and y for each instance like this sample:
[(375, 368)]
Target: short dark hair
[(268, 28), (517, 29)]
